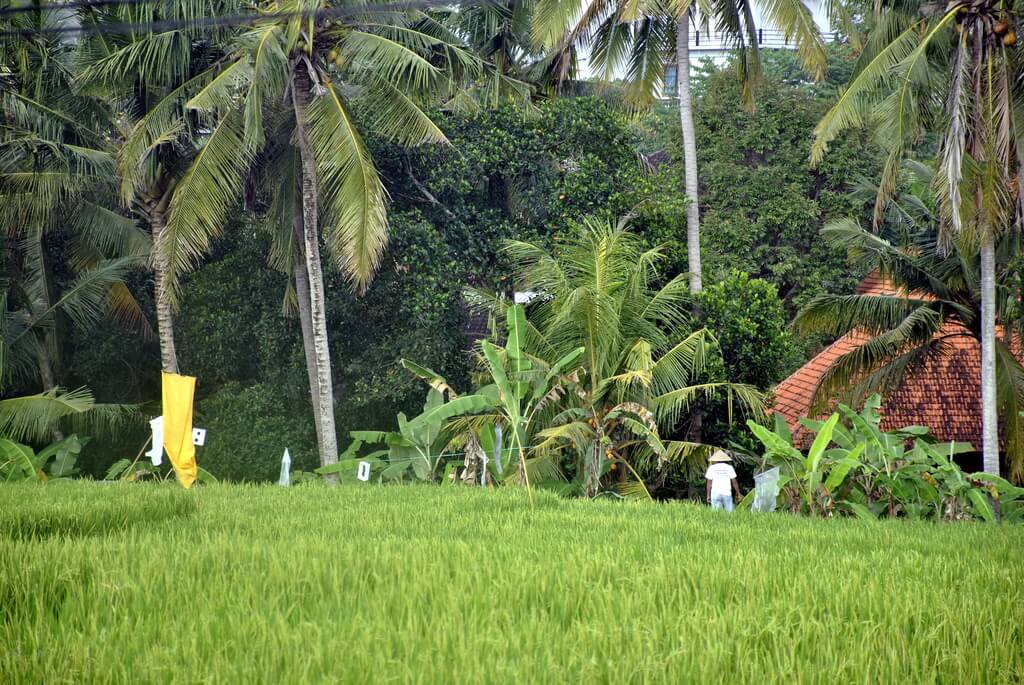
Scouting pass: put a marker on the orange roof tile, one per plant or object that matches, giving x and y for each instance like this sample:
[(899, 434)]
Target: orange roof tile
[(943, 394)]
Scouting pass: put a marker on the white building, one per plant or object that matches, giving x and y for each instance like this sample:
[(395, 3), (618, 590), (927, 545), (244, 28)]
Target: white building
[(709, 42)]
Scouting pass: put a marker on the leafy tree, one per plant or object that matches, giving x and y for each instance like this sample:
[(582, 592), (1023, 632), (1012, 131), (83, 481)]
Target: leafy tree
[(762, 205), (951, 70), (748, 320), (510, 176)]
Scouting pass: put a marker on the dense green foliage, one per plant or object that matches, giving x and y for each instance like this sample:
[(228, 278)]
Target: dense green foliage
[(253, 389), (855, 468), (576, 157), (265, 584), (510, 173), (747, 317), (762, 205)]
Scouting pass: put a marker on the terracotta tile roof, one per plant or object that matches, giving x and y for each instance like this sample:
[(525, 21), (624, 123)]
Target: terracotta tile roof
[(876, 284), (943, 394)]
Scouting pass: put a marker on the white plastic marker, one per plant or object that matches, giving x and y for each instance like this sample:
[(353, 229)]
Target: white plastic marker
[(363, 473), (286, 469), (198, 436), (156, 452), (497, 449)]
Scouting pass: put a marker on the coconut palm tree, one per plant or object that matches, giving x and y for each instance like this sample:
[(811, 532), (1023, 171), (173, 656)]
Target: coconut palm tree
[(500, 33), (640, 38), (938, 296), (641, 373), (336, 77), (953, 71), (56, 171), (147, 75)]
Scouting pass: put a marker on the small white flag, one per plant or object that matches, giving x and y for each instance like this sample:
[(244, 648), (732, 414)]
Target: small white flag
[(286, 469), (156, 452)]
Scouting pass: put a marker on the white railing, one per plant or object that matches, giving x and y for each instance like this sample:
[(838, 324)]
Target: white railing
[(717, 41)]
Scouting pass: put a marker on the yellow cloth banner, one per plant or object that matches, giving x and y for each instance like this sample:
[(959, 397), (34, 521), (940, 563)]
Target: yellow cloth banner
[(177, 396)]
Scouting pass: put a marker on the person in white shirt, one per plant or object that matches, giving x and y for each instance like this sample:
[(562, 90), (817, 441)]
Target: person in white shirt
[(720, 474)]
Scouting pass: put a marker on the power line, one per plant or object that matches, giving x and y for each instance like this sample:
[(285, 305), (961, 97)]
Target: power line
[(231, 20), (74, 4)]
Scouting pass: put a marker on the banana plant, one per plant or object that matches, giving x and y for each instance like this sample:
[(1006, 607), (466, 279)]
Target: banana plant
[(870, 473), (812, 481), (418, 444), (55, 461), (891, 478), (524, 386)]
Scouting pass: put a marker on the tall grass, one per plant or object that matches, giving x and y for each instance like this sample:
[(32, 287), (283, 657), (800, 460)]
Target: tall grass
[(263, 584)]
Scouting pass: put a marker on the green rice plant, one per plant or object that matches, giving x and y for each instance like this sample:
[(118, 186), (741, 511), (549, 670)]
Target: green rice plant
[(82, 510), (411, 583)]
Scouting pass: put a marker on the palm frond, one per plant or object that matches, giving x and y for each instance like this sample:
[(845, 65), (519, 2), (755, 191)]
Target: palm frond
[(795, 20), (395, 116), (669, 406), (877, 365), (388, 60), (355, 200), (85, 300), (683, 363), (836, 315), (202, 198), (32, 418), (855, 103), (162, 123)]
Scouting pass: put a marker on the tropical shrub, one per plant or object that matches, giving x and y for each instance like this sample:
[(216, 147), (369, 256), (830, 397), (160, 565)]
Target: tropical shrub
[(518, 390), (855, 468), (419, 444), (748, 319), (55, 461)]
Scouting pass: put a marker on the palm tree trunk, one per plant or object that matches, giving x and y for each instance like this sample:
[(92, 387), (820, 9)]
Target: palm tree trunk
[(48, 379), (325, 406), (689, 151), (592, 470), (164, 318), (306, 324), (990, 420)]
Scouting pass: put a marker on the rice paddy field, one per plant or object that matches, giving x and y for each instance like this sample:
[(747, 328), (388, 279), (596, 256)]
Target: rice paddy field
[(243, 584)]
